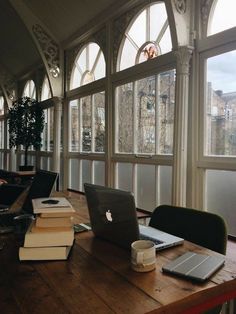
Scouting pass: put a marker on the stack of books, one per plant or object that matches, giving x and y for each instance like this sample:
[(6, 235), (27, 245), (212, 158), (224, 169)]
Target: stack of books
[(50, 236)]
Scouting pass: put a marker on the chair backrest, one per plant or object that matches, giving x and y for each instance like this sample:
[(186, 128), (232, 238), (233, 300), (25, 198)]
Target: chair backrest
[(9, 193), (200, 227), (41, 186)]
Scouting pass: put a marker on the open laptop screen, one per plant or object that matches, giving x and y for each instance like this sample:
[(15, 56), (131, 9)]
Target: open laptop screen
[(112, 214), (41, 186)]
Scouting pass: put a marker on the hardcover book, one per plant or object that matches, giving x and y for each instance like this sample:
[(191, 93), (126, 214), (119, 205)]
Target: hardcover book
[(48, 238), (54, 222), (44, 253), (52, 205)]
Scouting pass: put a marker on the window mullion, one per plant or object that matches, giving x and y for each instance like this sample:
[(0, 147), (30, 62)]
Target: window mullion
[(92, 123), (135, 99), (148, 24)]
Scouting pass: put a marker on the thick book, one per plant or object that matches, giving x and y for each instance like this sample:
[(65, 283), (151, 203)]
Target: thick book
[(50, 229), (52, 205), (56, 214), (54, 222), (48, 238), (44, 253)]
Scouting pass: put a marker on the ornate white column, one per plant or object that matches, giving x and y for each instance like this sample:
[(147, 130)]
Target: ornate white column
[(57, 134), (179, 182)]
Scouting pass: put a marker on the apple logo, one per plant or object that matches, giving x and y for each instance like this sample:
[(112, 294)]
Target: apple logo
[(108, 215)]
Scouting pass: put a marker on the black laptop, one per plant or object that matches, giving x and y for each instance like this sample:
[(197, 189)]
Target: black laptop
[(113, 217)]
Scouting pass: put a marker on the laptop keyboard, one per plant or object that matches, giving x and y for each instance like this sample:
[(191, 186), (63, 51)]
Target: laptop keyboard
[(144, 237)]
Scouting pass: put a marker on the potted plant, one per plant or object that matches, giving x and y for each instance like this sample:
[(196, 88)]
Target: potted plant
[(26, 122)]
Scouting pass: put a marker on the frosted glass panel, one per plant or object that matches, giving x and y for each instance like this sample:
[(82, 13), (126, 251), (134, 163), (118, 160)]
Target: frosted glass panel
[(221, 196), (44, 163), (74, 174), (146, 187), (1, 160), (165, 179), (124, 176), (99, 172), (86, 172)]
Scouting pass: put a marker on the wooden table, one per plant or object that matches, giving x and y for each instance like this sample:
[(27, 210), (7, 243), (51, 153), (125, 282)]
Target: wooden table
[(97, 278)]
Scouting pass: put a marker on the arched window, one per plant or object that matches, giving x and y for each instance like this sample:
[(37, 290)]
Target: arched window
[(222, 16), (46, 91), (146, 38), (1, 105), (89, 66), (29, 89)]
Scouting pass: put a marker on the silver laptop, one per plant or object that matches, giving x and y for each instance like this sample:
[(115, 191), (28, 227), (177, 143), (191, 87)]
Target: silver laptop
[(113, 217), (195, 266)]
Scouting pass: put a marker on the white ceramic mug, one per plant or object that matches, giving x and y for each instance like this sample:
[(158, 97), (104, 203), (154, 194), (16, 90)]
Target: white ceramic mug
[(143, 255)]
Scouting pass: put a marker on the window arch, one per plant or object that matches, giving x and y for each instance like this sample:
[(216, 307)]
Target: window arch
[(46, 91), (147, 37), (217, 20), (89, 66), (29, 89)]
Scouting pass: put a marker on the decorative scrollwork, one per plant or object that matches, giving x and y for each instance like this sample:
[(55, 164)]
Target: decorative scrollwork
[(50, 49), (180, 6)]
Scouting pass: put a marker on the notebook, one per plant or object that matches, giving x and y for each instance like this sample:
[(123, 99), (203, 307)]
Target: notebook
[(194, 266), (113, 217)]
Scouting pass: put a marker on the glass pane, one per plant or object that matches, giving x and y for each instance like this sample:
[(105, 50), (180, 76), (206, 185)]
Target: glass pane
[(2, 134), (219, 21), (45, 163), (146, 187), (158, 17), (165, 42), (128, 55), (74, 126), (93, 51), (146, 89), (1, 105), (100, 68), (82, 61), (86, 172), (51, 123), (137, 31), (2, 160), (165, 184), (99, 122), (86, 123), (124, 176), (46, 92), (45, 131), (125, 118), (166, 110), (220, 110), (76, 78), (221, 196), (99, 172), (74, 182)]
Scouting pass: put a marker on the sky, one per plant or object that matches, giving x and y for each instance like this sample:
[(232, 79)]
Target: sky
[(221, 70)]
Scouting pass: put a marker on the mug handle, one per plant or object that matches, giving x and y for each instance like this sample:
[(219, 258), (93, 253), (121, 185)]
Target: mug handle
[(140, 257)]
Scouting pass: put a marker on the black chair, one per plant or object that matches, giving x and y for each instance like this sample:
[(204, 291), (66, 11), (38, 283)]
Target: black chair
[(200, 227)]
